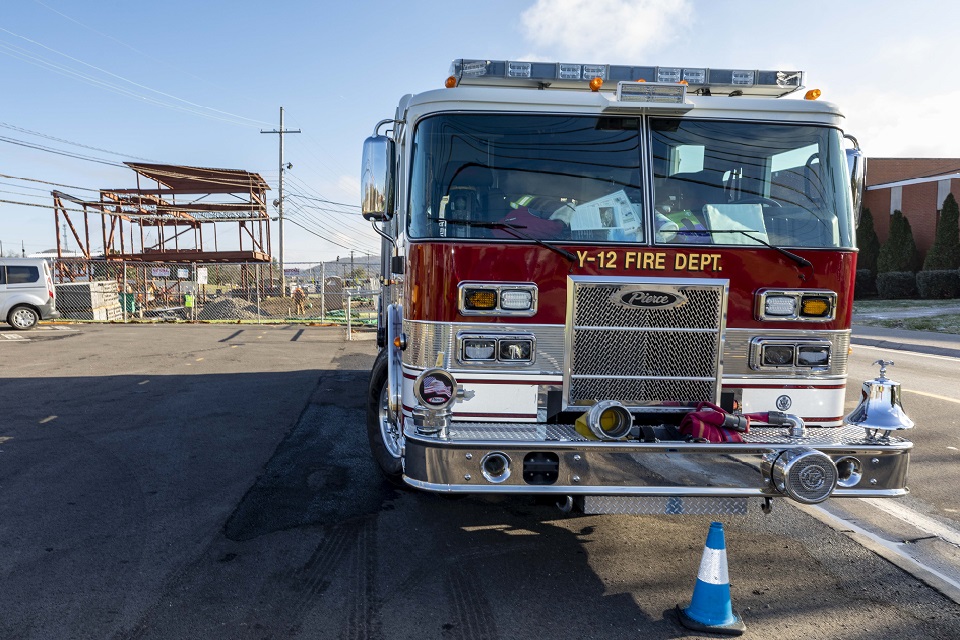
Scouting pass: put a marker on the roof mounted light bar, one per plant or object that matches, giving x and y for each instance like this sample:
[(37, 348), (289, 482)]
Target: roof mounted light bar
[(562, 75)]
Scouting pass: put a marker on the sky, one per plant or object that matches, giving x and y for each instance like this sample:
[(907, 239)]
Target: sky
[(85, 86)]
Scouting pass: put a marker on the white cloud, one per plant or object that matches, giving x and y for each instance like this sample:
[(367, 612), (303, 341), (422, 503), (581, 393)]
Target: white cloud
[(902, 124), (604, 31), (349, 185)]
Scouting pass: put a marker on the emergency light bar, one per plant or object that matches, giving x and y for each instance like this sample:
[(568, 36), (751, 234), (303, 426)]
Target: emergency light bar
[(562, 75)]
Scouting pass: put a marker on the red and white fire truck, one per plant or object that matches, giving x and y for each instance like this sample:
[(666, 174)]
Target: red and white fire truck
[(579, 260)]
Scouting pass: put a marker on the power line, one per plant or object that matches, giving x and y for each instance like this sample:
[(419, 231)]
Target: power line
[(76, 144), (194, 107), (318, 224), (341, 204), (315, 222), (55, 184), (125, 44), (336, 218), (77, 156), (327, 239)]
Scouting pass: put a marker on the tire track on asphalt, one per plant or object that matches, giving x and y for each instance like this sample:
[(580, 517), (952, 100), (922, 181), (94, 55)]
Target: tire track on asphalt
[(473, 615), (363, 606), (315, 576)]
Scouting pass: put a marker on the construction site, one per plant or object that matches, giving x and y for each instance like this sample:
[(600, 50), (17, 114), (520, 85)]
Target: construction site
[(187, 243)]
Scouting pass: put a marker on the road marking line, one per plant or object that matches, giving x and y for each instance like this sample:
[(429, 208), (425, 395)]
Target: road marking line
[(144, 382), (916, 519), (931, 395), (913, 353), (47, 419), (13, 336)]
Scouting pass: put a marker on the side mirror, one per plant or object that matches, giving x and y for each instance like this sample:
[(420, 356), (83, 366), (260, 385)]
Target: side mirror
[(857, 164), (377, 178)]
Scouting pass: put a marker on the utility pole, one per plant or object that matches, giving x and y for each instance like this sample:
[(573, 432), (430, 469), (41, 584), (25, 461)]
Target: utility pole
[(280, 132)]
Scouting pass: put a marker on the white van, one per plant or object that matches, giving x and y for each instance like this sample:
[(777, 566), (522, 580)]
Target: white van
[(27, 294)]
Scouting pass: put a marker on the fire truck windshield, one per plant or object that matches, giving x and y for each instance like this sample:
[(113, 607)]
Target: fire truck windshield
[(572, 178)]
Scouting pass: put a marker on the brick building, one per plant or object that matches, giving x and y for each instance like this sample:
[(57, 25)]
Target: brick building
[(915, 186)]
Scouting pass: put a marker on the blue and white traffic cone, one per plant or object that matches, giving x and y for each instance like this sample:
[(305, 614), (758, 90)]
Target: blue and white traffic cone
[(710, 609)]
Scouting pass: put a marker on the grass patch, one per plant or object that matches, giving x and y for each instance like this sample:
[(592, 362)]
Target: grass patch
[(947, 323)]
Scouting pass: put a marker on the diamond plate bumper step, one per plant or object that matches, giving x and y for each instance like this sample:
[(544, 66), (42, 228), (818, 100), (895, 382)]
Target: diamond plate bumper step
[(674, 505)]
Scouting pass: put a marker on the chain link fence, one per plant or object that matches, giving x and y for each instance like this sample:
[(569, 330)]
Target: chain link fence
[(116, 291)]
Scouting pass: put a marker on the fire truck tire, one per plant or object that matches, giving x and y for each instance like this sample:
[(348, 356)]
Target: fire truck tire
[(382, 431)]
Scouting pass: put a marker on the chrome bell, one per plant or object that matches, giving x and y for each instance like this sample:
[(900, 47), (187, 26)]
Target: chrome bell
[(880, 411)]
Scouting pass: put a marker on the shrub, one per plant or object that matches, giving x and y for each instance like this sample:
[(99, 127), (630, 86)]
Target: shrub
[(866, 285), (945, 251), (867, 243), (899, 252), (896, 285), (939, 284)]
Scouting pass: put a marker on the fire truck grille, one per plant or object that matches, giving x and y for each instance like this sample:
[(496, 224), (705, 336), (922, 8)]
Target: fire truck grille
[(647, 357)]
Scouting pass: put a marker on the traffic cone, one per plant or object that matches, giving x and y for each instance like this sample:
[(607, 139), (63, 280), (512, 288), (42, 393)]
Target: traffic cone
[(710, 608)]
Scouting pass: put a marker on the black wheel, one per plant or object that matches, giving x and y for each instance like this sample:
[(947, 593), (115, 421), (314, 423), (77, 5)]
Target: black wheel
[(22, 318), (382, 431)]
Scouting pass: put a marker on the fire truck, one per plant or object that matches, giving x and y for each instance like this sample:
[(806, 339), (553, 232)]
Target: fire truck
[(580, 260)]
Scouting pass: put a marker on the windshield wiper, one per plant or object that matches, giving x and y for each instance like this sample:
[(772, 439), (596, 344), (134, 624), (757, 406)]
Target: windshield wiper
[(800, 260), (509, 228)]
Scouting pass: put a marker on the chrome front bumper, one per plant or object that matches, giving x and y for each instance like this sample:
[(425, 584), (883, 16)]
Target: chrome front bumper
[(656, 469)]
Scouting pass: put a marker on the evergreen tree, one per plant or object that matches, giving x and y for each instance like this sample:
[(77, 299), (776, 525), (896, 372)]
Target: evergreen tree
[(945, 252), (899, 252), (868, 243)]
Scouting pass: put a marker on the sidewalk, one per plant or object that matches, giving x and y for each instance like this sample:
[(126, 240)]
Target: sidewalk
[(941, 344)]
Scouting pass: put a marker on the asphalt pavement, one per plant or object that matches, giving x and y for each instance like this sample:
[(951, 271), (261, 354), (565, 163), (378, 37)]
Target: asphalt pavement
[(929, 342)]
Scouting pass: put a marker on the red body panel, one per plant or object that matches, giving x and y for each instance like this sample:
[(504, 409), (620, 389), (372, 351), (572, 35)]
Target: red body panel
[(434, 269)]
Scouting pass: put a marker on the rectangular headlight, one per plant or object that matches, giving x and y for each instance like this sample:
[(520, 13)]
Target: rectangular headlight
[(480, 299), (813, 355), (492, 349), (479, 349), (790, 356), (785, 306), (815, 306), (777, 355), (497, 299), (796, 305), (512, 350), (516, 299)]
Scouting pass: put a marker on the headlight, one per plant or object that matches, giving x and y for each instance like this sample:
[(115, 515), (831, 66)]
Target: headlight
[(516, 299), (497, 299), (813, 355), (510, 348), (479, 349), (796, 305), (515, 350), (800, 355), (780, 306), (480, 300), (778, 355)]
